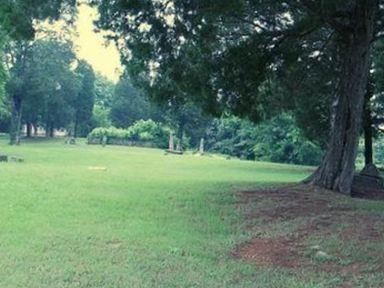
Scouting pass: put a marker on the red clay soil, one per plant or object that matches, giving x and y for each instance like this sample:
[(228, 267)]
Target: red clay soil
[(320, 216), (281, 252)]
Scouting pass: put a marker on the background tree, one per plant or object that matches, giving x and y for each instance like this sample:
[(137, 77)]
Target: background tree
[(187, 119), (42, 85), (17, 23), (104, 90), (59, 83), (85, 99), (100, 117), (5, 115), (19, 53), (276, 140), (128, 104)]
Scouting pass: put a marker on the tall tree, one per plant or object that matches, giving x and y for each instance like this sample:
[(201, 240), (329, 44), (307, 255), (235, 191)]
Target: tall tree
[(128, 104), (42, 84), (19, 53), (57, 82), (85, 99), (220, 53), (17, 23), (104, 89)]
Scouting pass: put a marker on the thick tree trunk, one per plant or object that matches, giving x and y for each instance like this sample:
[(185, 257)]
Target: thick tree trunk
[(367, 123), (15, 120), (338, 167)]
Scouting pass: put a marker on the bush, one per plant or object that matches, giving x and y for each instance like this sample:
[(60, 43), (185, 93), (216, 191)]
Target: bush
[(309, 154), (148, 132), (232, 136), (277, 140)]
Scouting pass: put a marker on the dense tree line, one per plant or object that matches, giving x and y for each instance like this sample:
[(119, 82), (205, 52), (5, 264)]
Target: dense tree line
[(44, 89)]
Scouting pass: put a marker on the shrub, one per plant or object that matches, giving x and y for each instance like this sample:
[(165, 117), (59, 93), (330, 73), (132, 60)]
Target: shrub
[(142, 131), (277, 140)]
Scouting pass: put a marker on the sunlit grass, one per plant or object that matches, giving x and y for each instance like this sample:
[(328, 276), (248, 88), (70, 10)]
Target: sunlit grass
[(149, 220), (145, 220)]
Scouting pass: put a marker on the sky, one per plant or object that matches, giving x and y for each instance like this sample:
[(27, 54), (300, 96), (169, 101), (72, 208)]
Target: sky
[(91, 46)]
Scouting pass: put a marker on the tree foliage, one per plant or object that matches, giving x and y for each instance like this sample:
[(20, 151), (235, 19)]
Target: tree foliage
[(47, 90), (104, 90), (128, 104), (142, 131), (276, 140), (84, 100), (52, 84), (17, 16)]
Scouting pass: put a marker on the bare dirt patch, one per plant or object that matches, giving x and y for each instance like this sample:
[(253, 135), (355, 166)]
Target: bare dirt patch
[(281, 252), (321, 214)]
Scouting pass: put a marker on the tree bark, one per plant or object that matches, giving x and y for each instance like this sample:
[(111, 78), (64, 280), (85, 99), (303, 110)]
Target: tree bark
[(15, 120), (368, 123), (35, 130), (51, 132), (76, 127), (338, 167), (29, 130)]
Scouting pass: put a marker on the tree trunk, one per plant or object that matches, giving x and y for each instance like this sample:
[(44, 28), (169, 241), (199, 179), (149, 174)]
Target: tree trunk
[(51, 132), (76, 127), (338, 167), (16, 120), (35, 130), (29, 130), (367, 123)]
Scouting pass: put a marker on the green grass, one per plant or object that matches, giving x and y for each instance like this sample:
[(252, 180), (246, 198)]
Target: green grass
[(149, 220)]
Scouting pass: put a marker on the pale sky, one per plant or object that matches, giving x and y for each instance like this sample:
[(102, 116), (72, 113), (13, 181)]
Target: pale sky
[(91, 46)]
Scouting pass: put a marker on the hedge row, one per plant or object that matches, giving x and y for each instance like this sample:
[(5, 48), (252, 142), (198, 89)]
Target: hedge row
[(145, 133)]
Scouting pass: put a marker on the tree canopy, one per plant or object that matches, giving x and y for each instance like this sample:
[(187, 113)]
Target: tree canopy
[(85, 99), (18, 15), (221, 53)]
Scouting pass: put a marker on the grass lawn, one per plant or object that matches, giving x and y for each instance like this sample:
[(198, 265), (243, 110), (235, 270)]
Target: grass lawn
[(148, 220)]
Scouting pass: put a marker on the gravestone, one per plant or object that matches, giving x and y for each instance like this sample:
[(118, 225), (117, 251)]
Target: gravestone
[(71, 141), (178, 147), (16, 159), (104, 141), (171, 145), (6, 158), (201, 148)]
